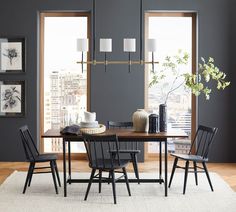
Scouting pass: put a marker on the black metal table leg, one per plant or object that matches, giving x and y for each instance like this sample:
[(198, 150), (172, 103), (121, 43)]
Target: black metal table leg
[(69, 161), (64, 167), (160, 161), (166, 167)]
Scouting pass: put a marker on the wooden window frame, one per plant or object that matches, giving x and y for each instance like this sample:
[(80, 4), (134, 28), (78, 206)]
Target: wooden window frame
[(42, 16), (193, 15)]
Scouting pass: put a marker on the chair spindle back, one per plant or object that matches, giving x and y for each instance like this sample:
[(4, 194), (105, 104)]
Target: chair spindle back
[(123, 125), (98, 149), (29, 146), (203, 140)]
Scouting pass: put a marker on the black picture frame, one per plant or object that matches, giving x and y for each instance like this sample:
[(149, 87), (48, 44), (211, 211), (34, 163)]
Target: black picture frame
[(12, 98), (12, 55)]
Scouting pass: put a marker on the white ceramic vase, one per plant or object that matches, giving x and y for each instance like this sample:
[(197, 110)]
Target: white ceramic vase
[(140, 121)]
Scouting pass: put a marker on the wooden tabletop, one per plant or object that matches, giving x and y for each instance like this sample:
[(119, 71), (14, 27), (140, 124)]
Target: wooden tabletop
[(122, 134)]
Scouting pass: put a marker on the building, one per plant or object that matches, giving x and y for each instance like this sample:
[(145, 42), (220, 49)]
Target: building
[(64, 103)]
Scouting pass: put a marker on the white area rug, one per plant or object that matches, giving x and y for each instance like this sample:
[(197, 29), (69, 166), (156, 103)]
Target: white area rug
[(145, 197)]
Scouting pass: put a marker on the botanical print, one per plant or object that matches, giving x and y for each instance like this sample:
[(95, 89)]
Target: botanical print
[(10, 98), (11, 56)]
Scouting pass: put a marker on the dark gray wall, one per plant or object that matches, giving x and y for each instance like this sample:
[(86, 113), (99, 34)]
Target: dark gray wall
[(232, 63), (115, 95)]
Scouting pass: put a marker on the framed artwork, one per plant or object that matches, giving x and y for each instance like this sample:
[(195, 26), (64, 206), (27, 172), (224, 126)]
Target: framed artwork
[(12, 98), (12, 55)]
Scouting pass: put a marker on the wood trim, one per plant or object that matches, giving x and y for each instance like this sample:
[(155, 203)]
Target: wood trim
[(146, 78), (41, 67), (65, 14), (194, 66), (169, 14), (41, 82)]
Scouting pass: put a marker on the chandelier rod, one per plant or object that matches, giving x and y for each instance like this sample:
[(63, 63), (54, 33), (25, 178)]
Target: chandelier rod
[(141, 31), (94, 31)]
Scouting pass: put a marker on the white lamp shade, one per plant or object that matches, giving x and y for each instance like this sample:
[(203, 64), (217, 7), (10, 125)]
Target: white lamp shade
[(82, 44), (105, 45), (151, 45), (129, 44)]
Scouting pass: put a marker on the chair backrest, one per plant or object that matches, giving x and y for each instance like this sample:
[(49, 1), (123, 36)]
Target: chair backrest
[(29, 146), (203, 140), (98, 149), (123, 125)]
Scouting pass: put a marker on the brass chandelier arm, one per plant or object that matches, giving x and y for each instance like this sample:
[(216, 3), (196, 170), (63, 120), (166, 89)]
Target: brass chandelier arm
[(106, 47), (132, 62)]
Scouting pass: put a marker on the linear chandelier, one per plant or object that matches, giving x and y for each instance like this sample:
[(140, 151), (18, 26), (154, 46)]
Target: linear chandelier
[(129, 46)]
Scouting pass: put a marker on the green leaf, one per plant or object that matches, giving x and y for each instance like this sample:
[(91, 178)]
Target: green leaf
[(211, 60), (206, 70)]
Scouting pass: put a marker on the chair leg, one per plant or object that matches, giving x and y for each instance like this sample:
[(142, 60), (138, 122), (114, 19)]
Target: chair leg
[(126, 180), (100, 181), (173, 171), (113, 185), (186, 175), (57, 173), (90, 183), (207, 174), (109, 178), (31, 174), (195, 171), (113, 155), (135, 165), (53, 176), (28, 176)]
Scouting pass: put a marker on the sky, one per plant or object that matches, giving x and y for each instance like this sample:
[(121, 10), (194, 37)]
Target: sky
[(60, 37)]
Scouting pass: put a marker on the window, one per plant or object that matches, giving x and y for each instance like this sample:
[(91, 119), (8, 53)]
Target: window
[(64, 88), (175, 34)]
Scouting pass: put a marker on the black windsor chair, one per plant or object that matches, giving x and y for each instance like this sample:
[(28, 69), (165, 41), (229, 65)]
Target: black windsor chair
[(201, 146), (130, 148), (100, 158), (33, 157)]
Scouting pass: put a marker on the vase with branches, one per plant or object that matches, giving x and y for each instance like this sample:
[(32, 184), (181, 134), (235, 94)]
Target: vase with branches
[(197, 83)]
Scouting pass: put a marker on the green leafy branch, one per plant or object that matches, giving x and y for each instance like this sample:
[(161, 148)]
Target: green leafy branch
[(171, 65), (197, 83)]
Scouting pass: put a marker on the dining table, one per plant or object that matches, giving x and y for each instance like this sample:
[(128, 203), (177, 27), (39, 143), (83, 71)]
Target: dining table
[(124, 135)]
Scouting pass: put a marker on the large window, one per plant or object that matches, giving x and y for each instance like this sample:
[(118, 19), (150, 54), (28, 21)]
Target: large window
[(64, 87), (175, 34)]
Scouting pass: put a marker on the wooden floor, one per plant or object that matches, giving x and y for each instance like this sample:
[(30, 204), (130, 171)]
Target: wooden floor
[(226, 170)]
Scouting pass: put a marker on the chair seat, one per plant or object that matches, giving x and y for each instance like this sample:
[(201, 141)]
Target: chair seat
[(44, 157), (196, 158), (134, 151), (107, 162)]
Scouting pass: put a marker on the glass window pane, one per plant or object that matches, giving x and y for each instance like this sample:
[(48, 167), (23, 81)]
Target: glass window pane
[(65, 86), (172, 34)]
